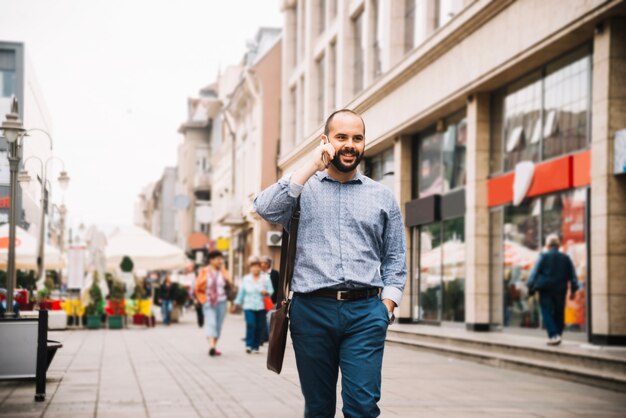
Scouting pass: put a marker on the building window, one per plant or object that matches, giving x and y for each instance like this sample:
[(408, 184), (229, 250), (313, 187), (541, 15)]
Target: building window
[(378, 32), (381, 167), (321, 87), (332, 9), (446, 10), (453, 270), (441, 158), (301, 28), (7, 73), (453, 153), (321, 16), (524, 230), (430, 169), (543, 115), (332, 76), (521, 106), (566, 104), (430, 292), (294, 29), (414, 23), (8, 79), (301, 107), (293, 114), (359, 53)]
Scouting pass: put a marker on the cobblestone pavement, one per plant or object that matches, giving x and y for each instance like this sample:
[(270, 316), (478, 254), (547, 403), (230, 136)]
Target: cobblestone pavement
[(165, 371)]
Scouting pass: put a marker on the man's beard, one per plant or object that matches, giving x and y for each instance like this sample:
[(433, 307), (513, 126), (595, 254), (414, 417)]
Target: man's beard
[(346, 168)]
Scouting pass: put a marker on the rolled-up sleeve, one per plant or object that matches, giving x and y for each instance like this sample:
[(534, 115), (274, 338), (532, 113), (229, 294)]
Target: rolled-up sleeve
[(393, 257), (276, 203)]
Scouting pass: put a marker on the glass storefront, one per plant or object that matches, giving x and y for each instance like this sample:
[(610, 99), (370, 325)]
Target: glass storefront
[(440, 161), (523, 232), (430, 295), (441, 271), (544, 115), (453, 267), (381, 167), (438, 258)]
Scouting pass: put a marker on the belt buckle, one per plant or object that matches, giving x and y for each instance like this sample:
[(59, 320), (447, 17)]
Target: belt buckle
[(340, 293)]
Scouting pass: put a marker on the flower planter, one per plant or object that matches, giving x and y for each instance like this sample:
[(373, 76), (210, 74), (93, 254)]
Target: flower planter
[(139, 319), (115, 321), (45, 305), (93, 322)]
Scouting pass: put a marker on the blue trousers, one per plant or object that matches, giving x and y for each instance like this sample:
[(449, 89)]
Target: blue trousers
[(166, 311), (552, 306), (329, 335), (255, 322), (214, 318)]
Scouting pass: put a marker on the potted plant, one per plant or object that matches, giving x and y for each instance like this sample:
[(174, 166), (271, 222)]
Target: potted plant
[(138, 296), (43, 295), (116, 305), (94, 310)]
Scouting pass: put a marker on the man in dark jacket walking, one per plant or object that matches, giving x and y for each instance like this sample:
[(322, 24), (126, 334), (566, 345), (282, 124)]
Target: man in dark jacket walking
[(550, 276)]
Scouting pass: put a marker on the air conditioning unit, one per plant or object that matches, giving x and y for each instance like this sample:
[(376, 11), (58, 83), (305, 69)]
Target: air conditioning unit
[(274, 238)]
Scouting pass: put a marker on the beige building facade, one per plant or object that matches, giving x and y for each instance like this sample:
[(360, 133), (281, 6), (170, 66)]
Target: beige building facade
[(245, 162), (192, 198), (493, 122)]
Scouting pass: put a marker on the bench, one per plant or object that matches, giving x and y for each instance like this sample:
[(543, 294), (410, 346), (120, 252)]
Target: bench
[(26, 350)]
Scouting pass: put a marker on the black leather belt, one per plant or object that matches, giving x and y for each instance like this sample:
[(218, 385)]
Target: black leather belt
[(354, 294)]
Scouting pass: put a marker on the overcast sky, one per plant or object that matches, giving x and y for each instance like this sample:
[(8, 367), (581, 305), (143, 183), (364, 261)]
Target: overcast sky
[(115, 75)]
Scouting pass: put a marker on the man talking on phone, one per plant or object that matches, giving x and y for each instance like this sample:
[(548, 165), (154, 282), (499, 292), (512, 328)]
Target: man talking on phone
[(349, 270)]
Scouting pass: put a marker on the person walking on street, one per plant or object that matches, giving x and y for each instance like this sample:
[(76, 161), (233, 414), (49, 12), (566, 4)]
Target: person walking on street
[(550, 276), (166, 295), (210, 292), (266, 267), (255, 285), (349, 271), (198, 306)]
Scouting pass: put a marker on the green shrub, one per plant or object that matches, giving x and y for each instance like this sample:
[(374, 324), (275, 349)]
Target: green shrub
[(127, 264)]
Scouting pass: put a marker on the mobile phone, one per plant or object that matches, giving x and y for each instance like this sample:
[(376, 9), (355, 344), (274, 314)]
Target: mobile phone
[(324, 154)]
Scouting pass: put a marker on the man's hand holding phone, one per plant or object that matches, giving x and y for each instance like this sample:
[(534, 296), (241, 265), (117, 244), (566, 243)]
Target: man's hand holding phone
[(320, 159), (326, 153)]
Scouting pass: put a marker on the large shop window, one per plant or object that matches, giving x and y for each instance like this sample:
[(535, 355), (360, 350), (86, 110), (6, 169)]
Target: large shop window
[(543, 115), (381, 167), (441, 278), (441, 159), (523, 231)]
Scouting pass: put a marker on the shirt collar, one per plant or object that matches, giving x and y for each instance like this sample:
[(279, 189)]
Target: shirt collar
[(323, 175)]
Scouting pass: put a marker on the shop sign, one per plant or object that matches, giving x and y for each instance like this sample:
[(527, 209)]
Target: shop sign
[(619, 159), (524, 172), (222, 244)]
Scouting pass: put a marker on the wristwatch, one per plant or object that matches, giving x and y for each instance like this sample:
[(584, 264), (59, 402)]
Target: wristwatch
[(391, 316)]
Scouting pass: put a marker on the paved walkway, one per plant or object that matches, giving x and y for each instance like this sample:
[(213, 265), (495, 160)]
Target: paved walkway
[(163, 372)]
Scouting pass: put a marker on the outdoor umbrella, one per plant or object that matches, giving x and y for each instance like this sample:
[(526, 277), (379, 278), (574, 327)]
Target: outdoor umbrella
[(147, 251), (26, 251)]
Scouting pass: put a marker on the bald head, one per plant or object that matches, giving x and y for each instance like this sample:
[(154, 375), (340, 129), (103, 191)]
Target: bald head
[(328, 125)]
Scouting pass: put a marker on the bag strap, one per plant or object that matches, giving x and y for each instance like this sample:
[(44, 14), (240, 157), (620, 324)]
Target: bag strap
[(288, 255)]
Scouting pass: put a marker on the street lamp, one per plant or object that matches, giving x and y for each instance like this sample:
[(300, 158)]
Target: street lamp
[(25, 179), (13, 130)]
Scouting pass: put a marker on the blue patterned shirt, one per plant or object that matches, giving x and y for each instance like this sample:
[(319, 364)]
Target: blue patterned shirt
[(350, 236)]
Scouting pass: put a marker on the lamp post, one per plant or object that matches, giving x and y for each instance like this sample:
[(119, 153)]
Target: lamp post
[(24, 179), (13, 130)]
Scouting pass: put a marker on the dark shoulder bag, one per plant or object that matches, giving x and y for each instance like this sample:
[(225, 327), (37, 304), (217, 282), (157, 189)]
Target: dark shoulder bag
[(279, 324)]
